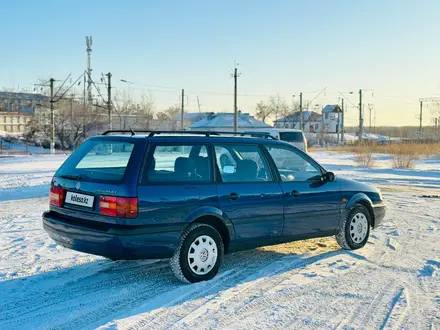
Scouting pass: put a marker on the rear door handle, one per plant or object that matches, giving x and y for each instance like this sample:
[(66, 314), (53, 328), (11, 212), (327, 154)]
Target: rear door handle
[(234, 196), (295, 193)]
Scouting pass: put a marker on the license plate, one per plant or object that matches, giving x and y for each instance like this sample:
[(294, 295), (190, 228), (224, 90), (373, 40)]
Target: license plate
[(79, 199)]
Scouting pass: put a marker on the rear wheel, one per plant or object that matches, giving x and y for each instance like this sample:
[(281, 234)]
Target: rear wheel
[(355, 229), (199, 254)]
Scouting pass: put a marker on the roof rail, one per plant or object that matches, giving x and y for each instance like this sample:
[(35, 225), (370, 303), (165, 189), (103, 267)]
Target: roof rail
[(214, 133), (131, 131), (205, 133)]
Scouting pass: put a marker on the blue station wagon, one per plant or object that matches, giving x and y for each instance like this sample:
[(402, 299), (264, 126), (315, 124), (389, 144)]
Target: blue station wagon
[(194, 196)]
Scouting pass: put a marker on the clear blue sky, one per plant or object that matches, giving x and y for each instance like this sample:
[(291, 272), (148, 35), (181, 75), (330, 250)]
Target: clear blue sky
[(282, 47)]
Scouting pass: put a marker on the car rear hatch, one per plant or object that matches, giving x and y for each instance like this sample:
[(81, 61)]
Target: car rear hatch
[(98, 182), (295, 138)]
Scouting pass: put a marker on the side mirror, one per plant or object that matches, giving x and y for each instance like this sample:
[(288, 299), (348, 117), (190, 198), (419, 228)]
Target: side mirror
[(228, 169), (329, 176)]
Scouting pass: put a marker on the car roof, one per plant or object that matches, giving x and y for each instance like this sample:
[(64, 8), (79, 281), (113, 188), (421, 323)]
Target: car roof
[(188, 138)]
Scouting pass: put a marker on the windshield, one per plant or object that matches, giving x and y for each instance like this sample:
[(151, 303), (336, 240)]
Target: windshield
[(98, 161)]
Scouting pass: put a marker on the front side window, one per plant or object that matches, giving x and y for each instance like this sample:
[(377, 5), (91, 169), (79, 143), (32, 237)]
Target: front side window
[(179, 164), (242, 163), (292, 166)]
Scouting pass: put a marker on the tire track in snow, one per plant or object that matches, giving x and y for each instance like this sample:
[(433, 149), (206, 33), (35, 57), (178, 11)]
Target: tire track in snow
[(356, 322), (250, 293), (227, 283), (398, 309), (71, 296)]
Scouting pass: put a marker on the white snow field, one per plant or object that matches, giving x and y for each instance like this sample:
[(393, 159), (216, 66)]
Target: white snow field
[(392, 283)]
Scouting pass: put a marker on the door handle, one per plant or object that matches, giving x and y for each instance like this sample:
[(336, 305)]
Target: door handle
[(234, 196), (295, 193)]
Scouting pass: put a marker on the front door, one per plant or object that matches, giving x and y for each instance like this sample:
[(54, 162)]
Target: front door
[(311, 204), (248, 194)]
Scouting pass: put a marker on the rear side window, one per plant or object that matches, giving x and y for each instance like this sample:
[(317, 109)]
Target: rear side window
[(291, 137), (98, 161), (178, 164)]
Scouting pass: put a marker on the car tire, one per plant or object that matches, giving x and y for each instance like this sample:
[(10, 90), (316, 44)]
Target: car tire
[(355, 229), (199, 254)]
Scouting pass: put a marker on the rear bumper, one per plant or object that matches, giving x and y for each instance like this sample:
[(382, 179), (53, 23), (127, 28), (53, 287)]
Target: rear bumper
[(379, 211), (125, 244)]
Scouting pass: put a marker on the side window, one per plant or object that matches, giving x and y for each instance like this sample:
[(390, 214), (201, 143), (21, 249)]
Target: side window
[(178, 164), (292, 166), (242, 163)]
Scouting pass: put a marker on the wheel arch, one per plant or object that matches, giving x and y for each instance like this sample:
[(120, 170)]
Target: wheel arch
[(364, 200), (214, 217), (219, 225)]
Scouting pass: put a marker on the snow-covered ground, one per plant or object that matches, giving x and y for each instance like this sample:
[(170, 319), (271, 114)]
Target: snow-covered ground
[(392, 283)]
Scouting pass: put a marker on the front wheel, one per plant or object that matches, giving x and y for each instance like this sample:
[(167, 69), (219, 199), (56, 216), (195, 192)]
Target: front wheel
[(355, 229), (199, 254)]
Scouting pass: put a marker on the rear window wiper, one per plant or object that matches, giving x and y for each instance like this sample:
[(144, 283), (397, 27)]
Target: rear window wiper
[(81, 177), (70, 177)]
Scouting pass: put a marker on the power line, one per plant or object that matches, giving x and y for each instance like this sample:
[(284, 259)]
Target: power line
[(56, 93), (356, 106), (67, 90), (99, 93), (196, 91), (322, 91)]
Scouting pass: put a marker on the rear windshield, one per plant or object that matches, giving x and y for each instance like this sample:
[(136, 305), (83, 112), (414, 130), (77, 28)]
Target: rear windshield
[(291, 136), (98, 161)]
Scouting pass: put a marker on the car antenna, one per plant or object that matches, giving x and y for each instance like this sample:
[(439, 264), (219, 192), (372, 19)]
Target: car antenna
[(131, 130)]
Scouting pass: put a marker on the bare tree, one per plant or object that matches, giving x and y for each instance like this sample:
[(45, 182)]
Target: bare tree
[(262, 111), (123, 106), (278, 106), (145, 110), (172, 112)]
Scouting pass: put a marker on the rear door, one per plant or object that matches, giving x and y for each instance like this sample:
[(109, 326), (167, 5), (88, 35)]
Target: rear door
[(177, 179), (104, 166), (311, 205), (248, 194)]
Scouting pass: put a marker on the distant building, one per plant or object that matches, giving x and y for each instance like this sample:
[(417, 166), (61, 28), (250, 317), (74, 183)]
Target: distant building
[(331, 118), (21, 102), (329, 121), (312, 121), (14, 121), (225, 122)]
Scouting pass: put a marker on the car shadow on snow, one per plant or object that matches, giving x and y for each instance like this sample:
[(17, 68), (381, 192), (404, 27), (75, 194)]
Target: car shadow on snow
[(102, 291)]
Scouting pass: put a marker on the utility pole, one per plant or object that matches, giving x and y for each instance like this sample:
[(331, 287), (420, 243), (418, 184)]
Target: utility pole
[(421, 119), (342, 122), (198, 105), (52, 119), (109, 99), (89, 69), (370, 107), (361, 118), (235, 76), (301, 119), (182, 109), (71, 120), (374, 120)]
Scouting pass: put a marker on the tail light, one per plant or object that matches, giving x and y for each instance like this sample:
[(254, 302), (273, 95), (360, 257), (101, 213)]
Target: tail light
[(56, 196), (277, 137), (120, 207)]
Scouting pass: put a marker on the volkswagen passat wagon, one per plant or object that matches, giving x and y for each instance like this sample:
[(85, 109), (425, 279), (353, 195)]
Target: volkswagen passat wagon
[(167, 195)]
